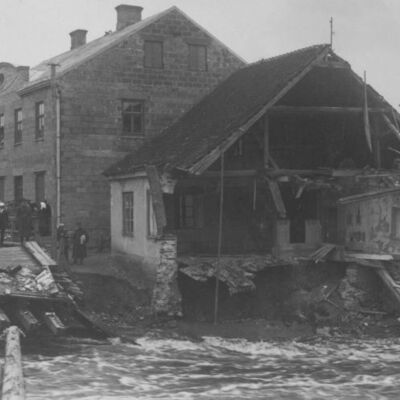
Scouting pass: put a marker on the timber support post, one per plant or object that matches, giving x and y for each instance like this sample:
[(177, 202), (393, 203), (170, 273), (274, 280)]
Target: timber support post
[(13, 387)]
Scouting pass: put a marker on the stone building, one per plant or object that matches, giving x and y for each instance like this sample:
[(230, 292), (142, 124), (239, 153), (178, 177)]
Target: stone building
[(65, 120), (248, 180)]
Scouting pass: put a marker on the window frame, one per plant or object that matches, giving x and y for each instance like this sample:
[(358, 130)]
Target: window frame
[(2, 129), (128, 214), (39, 120), (17, 178), (151, 57), (132, 116), (196, 61), (18, 118), (40, 175)]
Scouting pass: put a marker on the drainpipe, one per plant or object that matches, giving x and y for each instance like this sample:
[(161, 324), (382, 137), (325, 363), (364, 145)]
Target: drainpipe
[(58, 156), (56, 112)]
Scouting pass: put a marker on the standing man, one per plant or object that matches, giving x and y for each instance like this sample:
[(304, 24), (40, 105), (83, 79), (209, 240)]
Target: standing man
[(80, 240), (3, 222), (24, 220)]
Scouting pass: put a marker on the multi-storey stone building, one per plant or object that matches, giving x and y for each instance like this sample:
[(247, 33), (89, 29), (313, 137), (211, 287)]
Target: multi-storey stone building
[(66, 120)]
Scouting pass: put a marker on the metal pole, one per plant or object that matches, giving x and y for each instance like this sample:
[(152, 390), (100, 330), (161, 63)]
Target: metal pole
[(221, 210)]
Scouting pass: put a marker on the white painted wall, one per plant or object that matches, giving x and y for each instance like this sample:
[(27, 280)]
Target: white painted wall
[(140, 245)]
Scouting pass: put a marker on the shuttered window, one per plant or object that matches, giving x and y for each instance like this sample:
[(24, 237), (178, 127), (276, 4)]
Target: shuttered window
[(153, 54), (197, 57)]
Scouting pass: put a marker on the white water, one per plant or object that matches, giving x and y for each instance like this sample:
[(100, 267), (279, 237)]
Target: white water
[(340, 368)]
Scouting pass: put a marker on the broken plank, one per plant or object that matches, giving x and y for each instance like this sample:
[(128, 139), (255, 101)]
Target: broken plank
[(277, 197), (54, 323), (156, 197), (366, 256), (39, 254), (27, 320)]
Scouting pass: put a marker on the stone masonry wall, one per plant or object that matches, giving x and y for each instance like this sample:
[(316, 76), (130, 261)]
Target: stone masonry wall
[(31, 155), (91, 98)]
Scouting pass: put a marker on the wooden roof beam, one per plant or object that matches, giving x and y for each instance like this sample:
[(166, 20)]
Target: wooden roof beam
[(322, 109)]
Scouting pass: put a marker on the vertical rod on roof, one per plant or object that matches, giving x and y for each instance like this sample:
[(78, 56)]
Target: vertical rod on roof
[(221, 210), (367, 128), (331, 33)]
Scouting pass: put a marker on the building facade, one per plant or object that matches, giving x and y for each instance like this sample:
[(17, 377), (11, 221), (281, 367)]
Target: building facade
[(65, 120)]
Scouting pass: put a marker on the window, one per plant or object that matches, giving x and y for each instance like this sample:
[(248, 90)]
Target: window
[(18, 188), (2, 188), (197, 57), (133, 117), (39, 120), (186, 211), (151, 218), (127, 214), (18, 126), (1, 130), (39, 186), (153, 54)]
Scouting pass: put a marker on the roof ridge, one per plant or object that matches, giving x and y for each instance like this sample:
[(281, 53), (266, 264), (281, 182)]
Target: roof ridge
[(323, 46)]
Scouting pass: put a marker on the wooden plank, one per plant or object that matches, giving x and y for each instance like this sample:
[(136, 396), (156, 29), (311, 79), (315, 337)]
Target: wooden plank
[(366, 256), (157, 197), (54, 323), (27, 320), (391, 126), (274, 173), (214, 154), (229, 174), (277, 197), (13, 387), (38, 254)]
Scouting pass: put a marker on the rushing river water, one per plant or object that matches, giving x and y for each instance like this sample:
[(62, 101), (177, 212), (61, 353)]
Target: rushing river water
[(339, 368)]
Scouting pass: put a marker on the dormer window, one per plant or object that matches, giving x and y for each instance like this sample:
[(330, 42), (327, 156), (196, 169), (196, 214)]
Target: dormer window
[(197, 57), (153, 54)]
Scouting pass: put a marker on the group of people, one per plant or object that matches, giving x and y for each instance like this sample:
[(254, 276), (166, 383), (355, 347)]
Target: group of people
[(75, 241), (79, 239)]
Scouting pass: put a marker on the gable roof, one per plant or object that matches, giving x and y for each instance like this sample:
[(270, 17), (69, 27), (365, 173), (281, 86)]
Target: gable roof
[(71, 59), (223, 114)]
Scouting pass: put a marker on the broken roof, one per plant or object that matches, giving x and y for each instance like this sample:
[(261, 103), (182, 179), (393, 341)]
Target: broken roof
[(222, 113)]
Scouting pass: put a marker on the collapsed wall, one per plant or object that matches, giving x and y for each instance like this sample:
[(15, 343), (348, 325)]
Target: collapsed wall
[(327, 293)]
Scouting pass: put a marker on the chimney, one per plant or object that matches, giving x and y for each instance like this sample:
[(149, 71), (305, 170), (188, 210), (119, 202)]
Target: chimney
[(128, 15), (78, 38)]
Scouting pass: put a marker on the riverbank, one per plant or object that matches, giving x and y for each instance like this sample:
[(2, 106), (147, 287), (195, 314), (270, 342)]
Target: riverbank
[(121, 300)]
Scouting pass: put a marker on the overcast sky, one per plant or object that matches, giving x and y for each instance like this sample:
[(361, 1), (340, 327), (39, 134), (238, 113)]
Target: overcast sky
[(367, 32)]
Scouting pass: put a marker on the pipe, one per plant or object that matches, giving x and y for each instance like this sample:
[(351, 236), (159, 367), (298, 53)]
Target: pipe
[(221, 211), (58, 157)]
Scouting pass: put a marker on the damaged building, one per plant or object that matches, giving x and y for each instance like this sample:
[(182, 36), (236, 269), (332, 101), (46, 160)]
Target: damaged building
[(263, 184)]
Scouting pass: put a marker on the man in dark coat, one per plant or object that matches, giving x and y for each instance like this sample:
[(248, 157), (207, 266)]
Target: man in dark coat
[(3, 222), (24, 220), (80, 240)]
